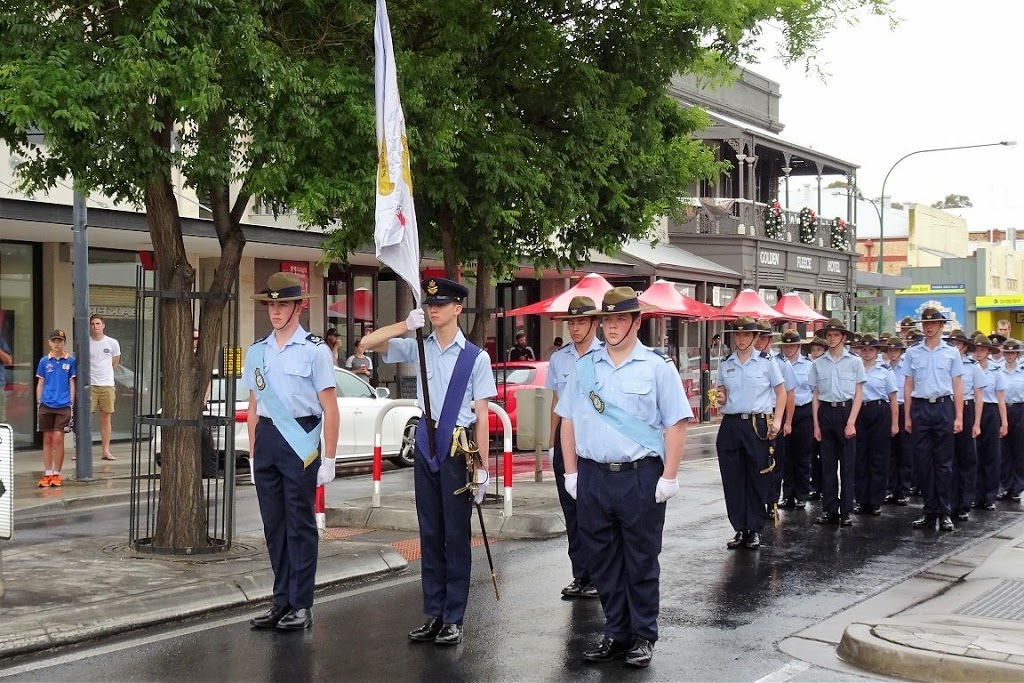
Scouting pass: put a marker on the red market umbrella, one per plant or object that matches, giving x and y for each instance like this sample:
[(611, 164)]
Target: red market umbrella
[(664, 296), (792, 307), (592, 285), (750, 304)]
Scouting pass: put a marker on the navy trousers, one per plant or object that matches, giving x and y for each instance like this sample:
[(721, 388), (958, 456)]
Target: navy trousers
[(990, 447), (933, 452), (286, 491), (796, 482), (1011, 478), (871, 471), (444, 520), (837, 458), (741, 457), (965, 463), (576, 556), (621, 527), (901, 460)]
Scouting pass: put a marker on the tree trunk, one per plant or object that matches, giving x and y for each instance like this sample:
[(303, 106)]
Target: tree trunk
[(451, 259), (484, 303)]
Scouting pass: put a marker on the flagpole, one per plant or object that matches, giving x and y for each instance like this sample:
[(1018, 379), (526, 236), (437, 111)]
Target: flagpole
[(426, 395)]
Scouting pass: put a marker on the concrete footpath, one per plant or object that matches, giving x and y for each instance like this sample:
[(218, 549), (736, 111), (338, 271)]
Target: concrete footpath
[(961, 619)]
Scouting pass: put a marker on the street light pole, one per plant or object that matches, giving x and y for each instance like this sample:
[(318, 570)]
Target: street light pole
[(881, 213)]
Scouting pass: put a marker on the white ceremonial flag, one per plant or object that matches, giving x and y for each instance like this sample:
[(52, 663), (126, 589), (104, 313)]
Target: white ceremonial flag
[(395, 234)]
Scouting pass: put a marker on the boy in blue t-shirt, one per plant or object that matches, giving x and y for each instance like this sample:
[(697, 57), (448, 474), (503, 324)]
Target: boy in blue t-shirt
[(55, 396)]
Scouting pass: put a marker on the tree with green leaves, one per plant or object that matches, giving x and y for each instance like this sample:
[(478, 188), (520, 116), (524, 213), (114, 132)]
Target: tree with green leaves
[(538, 131), (953, 201)]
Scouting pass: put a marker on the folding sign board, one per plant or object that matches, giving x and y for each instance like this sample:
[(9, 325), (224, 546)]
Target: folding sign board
[(6, 481)]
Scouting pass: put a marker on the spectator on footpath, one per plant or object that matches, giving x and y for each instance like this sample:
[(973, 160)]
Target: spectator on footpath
[(555, 345), (359, 362), (6, 358), (333, 343), (521, 351), (104, 357), (55, 397)]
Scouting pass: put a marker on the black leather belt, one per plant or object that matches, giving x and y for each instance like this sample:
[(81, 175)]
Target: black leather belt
[(876, 402), (307, 421), (968, 400), (937, 399), (837, 404), (747, 416), (626, 466)]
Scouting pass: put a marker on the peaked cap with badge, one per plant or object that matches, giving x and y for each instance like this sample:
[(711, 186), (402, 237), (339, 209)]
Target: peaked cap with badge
[(620, 300), (579, 307), (282, 287), (441, 291)]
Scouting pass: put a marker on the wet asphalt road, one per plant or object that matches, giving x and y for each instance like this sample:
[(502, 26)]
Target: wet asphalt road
[(722, 612)]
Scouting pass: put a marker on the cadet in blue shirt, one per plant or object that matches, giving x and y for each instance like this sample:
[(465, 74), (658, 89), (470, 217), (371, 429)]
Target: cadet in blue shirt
[(838, 378), (901, 461), (444, 504), (55, 400), (877, 424), (796, 481), (1011, 480), (752, 396), (965, 445), (979, 489), (934, 395), (624, 418), (763, 344), (292, 397), (561, 367)]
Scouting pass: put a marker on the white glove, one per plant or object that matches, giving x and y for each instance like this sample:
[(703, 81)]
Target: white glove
[(666, 489), (551, 454), (482, 477), (252, 471), (415, 320), (326, 473), (570, 484)]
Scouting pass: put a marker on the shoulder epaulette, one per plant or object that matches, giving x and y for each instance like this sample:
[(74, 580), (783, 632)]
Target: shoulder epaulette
[(885, 366), (313, 339), (664, 356), (262, 339), (765, 354), (728, 356), (970, 360)]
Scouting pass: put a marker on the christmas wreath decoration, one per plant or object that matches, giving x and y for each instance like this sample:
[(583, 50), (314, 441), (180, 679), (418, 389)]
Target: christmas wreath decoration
[(808, 226), (773, 220), (840, 235)]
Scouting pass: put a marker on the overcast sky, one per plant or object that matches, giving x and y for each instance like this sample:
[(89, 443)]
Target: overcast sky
[(949, 74)]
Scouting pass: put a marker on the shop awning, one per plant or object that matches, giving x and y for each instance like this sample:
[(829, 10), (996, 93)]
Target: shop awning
[(668, 259)]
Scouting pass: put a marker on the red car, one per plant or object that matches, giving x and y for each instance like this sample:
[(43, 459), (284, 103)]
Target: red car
[(511, 378)]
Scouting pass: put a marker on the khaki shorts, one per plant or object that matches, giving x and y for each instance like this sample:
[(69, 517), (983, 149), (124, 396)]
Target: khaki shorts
[(53, 419), (103, 397)]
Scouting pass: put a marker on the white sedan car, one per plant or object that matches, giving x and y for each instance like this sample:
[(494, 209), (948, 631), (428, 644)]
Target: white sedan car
[(358, 407)]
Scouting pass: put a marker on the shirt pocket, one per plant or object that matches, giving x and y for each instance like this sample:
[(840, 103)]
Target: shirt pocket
[(639, 397), (298, 367), (847, 381)]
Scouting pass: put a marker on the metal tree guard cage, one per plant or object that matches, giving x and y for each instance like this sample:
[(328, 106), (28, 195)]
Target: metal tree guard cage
[(213, 434)]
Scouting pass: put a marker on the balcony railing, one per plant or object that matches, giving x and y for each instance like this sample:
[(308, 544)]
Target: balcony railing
[(744, 217)]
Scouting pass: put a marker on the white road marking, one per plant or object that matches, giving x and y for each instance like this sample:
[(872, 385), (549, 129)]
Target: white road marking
[(785, 673)]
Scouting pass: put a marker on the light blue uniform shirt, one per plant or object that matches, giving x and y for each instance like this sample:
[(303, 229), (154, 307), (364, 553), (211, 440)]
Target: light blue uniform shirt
[(440, 365), (1014, 384), (837, 380), (645, 386), (933, 371), (973, 378), (899, 371), (804, 391), (995, 381), (296, 372), (750, 386), (788, 376), (562, 366), (879, 384)]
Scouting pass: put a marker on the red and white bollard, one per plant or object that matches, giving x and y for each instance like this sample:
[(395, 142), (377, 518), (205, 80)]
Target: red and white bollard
[(378, 465), (320, 509)]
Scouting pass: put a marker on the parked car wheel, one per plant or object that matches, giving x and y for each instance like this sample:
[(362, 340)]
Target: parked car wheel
[(407, 455)]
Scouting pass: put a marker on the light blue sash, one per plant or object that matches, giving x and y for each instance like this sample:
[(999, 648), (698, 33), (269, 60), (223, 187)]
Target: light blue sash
[(630, 426), (298, 438)]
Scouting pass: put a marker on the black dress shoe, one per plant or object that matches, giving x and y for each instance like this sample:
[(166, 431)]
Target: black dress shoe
[(813, 495), (800, 504), (642, 652), (589, 591), (574, 589), (859, 509), (296, 620), (901, 500), (751, 541), (606, 651), (844, 520), (1015, 497), (1003, 495), (736, 541), (946, 524), (787, 504), (989, 506), (450, 634), (963, 515), (890, 499), (876, 510), (827, 518), (427, 632), (926, 521), (270, 618)]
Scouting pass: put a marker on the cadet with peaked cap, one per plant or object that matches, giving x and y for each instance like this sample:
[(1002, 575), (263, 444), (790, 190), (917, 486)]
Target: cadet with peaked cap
[(901, 455), (993, 428), (763, 344), (877, 423), (460, 383), (624, 418), (838, 379), (965, 446), (292, 398), (561, 367), (799, 443), (934, 393), (752, 396), (1011, 478)]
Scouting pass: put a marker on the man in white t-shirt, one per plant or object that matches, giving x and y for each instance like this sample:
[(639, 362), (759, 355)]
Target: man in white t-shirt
[(104, 357)]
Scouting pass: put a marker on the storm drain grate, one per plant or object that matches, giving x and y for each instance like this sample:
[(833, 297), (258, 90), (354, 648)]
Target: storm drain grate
[(1005, 601)]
